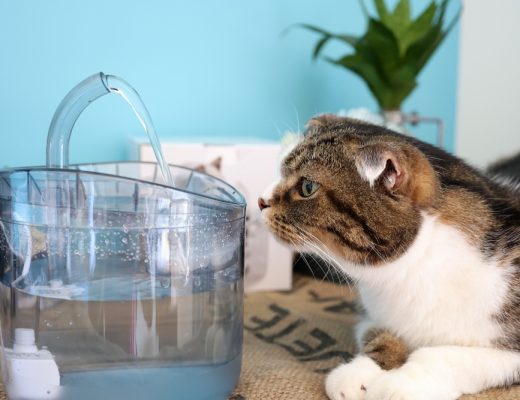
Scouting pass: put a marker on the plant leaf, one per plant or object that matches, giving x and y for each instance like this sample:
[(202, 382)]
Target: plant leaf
[(420, 52), (319, 46), (403, 82), (312, 28), (399, 21), (422, 49), (401, 14), (424, 20), (380, 43), (368, 73), (418, 28), (453, 22), (348, 39), (382, 11), (442, 12), (363, 8)]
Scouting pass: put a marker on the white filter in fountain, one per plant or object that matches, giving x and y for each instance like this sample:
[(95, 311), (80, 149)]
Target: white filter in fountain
[(32, 374), (24, 341)]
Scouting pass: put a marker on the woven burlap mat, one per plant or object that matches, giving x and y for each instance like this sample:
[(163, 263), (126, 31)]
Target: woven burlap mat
[(293, 338)]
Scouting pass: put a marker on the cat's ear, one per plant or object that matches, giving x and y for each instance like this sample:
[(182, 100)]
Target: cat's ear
[(379, 163), (400, 169)]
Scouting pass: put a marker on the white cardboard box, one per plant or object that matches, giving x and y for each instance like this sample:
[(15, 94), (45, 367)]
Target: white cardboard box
[(249, 167)]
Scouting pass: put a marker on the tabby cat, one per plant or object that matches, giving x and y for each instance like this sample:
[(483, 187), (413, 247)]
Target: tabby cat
[(433, 246)]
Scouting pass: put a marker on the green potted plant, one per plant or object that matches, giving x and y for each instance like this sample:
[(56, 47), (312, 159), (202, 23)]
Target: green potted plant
[(393, 50)]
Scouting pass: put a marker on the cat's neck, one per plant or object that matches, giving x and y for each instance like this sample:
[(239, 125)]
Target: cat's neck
[(438, 247), (440, 275)]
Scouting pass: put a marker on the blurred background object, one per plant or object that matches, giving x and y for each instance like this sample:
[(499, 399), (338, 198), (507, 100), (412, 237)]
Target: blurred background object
[(488, 85), (250, 167)]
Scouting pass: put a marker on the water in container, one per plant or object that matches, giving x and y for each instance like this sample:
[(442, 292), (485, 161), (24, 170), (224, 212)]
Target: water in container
[(113, 282)]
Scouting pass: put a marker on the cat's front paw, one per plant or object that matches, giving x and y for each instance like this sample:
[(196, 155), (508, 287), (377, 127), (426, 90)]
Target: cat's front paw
[(350, 381), (408, 383)]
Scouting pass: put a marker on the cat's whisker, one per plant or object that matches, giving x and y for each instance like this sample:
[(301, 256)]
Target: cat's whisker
[(320, 249), (330, 267), (327, 265), (279, 131), (325, 270), (297, 118), (314, 243), (376, 251), (308, 265), (315, 251), (307, 243)]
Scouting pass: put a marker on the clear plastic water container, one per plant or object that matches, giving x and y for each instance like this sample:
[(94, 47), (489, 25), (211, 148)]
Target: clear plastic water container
[(116, 285)]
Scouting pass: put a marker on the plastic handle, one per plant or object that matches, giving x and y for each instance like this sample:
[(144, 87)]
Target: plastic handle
[(78, 99), (68, 113)]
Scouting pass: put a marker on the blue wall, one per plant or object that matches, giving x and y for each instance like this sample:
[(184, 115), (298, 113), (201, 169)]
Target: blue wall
[(203, 68)]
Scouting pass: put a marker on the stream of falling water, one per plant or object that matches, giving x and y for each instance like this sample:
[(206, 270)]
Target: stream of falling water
[(128, 93)]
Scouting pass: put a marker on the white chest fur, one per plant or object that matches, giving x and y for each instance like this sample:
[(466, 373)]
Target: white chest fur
[(441, 291)]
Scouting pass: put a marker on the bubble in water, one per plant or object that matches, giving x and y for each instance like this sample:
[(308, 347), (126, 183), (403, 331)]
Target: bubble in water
[(124, 240), (165, 283)]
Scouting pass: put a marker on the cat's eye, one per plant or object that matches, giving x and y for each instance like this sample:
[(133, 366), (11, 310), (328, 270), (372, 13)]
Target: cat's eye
[(308, 188)]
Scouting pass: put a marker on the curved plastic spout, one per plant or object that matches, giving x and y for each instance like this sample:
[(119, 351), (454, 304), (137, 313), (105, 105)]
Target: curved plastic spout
[(67, 114), (78, 99)]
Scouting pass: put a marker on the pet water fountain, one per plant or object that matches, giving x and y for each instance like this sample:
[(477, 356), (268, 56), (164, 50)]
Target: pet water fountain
[(118, 280)]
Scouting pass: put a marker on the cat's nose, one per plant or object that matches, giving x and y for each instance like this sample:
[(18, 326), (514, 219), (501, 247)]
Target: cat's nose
[(262, 203)]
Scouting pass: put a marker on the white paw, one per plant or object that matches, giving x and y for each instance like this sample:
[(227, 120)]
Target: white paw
[(408, 383), (350, 381)]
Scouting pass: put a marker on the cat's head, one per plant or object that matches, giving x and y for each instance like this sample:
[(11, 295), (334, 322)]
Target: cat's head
[(351, 188)]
